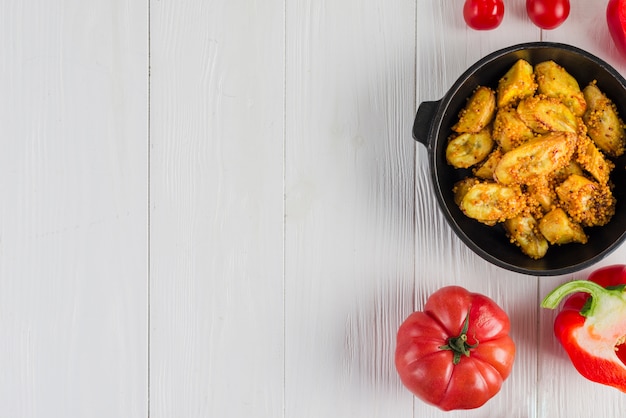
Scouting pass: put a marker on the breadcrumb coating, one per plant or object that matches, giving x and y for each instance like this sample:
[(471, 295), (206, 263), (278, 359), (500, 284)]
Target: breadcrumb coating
[(547, 175)]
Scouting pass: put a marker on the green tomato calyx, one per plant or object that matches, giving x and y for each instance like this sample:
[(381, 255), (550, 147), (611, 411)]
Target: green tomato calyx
[(459, 345)]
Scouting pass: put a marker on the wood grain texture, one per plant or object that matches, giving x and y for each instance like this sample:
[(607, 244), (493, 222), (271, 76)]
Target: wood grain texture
[(73, 235), (217, 118), (562, 391), (446, 48), (349, 205), (216, 209)]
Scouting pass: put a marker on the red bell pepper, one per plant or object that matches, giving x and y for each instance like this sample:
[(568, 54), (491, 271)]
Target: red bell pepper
[(591, 326), (616, 20)]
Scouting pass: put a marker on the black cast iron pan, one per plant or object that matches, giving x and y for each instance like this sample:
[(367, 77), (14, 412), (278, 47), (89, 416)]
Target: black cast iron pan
[(432, 128)]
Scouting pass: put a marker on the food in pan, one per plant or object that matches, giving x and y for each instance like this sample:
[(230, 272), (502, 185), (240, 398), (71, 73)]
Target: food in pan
[(518, 83), (538, 154), (603, 123), (478, 112), (554, 81)]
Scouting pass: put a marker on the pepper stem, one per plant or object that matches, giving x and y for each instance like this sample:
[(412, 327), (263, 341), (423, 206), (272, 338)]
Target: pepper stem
[(458, 345), (552, 300)]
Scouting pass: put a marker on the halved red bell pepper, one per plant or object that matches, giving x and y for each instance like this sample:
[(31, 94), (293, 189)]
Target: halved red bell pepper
[(591, 326)]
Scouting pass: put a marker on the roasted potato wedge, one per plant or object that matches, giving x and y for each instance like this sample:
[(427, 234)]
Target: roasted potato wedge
[(546, 114), (516, 84), (587, 202), (509, 130), (467, 149), (523, 231), (542, 196), (554, 81), (592, 160), (486, 170), (571, 168), (536, 159), (557, 228), (478, 112), (604, 126), (491, 203), (461, 187)]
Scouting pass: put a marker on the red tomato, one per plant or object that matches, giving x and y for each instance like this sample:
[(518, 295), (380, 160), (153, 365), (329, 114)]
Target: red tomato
[(547, 14), (483, 14), (616, 19), (457, 352)]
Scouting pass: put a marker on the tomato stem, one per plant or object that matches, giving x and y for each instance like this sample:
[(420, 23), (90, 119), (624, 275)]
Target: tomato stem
[(459, 345)]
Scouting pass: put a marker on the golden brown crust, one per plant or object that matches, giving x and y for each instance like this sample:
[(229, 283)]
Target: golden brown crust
[(541, 166), (554, 81), (516, 84), (478, 112), (604, 125)]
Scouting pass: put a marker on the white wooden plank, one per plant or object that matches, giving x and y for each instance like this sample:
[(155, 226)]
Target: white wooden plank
[(586, 28), (564, 392), (446, 48), (349, 205), (217, 117), (73, 246)]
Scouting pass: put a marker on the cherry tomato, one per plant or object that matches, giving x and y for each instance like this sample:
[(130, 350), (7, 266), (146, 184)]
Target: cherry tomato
[(483, 14), (616, 19), (547, 14), (457, 352)]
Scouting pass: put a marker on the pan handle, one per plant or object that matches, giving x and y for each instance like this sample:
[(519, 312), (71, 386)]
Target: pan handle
[(423, 121)]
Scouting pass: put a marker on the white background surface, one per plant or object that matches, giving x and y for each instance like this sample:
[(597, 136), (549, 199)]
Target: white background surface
[(216, 209)]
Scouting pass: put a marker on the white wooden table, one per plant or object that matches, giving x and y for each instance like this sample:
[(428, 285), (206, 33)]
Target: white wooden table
[(214, 208)]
